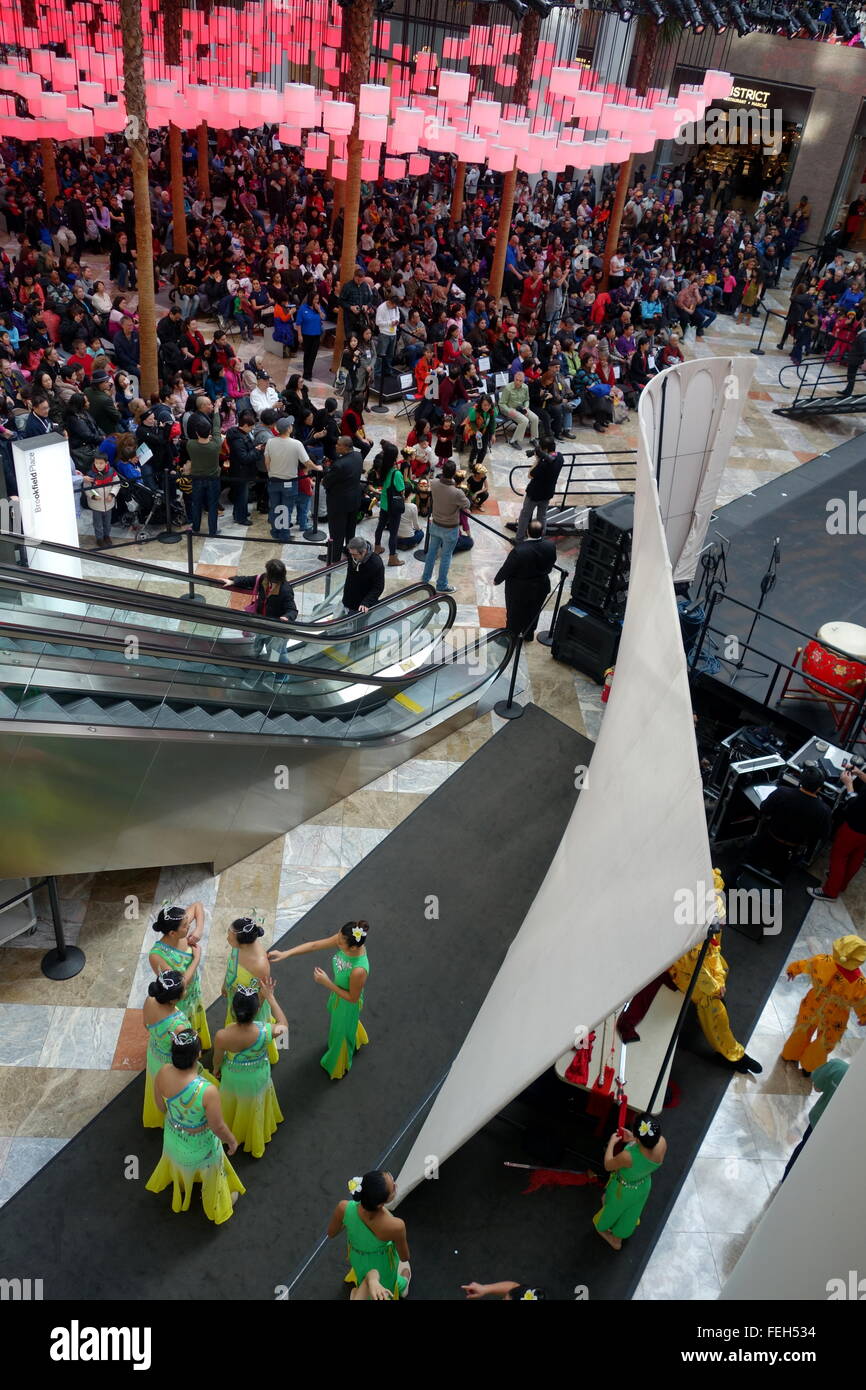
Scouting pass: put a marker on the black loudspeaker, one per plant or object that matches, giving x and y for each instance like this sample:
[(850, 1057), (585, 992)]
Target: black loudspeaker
[(586, 641), (601, 575)]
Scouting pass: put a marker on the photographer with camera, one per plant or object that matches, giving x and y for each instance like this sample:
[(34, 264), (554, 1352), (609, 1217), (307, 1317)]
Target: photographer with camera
[(849, 843), (540, 487)]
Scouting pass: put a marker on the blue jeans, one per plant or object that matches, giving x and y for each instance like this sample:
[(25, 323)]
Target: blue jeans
[(205, 492), (386, 346), (282, 500), (703, 318), (442, 538)]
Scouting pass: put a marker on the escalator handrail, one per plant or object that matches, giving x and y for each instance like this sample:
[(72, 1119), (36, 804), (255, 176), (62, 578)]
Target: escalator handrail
[(100, 557), (38, 581), (50, 635)]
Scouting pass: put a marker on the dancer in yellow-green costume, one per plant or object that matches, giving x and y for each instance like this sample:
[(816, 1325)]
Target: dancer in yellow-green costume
[(249, 1101), (630, 1181), (376, 1238), (162, 1016), (247, 965), (194, 1134), (351, 969), (179, 948)]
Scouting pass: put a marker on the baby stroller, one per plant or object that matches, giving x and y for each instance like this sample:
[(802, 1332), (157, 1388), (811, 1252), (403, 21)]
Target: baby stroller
[(141, 510)]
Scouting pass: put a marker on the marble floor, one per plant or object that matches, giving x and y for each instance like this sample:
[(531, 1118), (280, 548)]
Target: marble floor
[(67, 1048)]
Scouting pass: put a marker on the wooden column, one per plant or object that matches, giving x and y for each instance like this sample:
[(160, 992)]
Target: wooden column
[(203, 161), (136, 139), (358, 30), (525, 59), (49, 170)]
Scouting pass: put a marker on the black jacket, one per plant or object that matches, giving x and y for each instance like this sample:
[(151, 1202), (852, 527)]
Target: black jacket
[(530, 560), (127, 352), (364, 582), (103, 409), (279, 605), (244, 456), (543, 478), (342, 483)]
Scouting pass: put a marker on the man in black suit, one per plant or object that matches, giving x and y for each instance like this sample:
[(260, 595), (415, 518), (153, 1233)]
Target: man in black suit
[(526, 573), (342, 484)]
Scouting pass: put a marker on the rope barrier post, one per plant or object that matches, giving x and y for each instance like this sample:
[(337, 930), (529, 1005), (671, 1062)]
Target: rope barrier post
[(759, 351), (314, 534), (422, 553), (190, 569), (507, 709), (546, 638), (168, 536), (381, 408), (62, 962)]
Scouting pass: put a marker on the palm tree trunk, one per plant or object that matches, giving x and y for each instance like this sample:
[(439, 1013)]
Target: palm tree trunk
[(525, 59), (645, 46), (358, 33), (203, 161), (136, 139)]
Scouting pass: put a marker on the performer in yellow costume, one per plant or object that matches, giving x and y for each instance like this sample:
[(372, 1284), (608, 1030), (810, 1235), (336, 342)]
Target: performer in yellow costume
[(838, 986), (708, 992)]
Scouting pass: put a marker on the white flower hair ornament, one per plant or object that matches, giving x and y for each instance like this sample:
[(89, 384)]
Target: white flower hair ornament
[(529, 1297), (645, 1129), (359, 934), (354, 1185)]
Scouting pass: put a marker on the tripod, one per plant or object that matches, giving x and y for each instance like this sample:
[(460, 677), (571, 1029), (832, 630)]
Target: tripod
[(768, 583)]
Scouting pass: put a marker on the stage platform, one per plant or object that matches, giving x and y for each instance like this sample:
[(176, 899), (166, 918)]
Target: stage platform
[(445, 893), (820, 578)]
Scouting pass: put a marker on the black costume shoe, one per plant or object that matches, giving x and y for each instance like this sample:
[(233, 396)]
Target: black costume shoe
[(747, 1063)]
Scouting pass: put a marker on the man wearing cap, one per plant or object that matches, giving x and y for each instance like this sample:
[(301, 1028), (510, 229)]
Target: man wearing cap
[(264, 395), (101, 404), (282, 456), (793, 820), (838, 986)]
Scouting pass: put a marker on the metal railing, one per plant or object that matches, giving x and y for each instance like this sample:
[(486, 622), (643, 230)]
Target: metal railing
[(629, 457), (809, 383)]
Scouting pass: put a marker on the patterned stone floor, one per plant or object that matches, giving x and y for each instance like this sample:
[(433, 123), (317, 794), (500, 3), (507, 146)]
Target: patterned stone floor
[(67, 1048)]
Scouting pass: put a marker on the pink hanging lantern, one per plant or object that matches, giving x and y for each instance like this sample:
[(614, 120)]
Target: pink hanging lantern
[(51, 105), (588, 105), (665, 119), (109, 119), (418, 164), (299, 99), (471, 149), (643, 141), (615, 117), (565, 82), (80, 121), (395, 168), (271, 105), (372, 128), (91, 93), (290, 135), (453, 86), (442, 139), (339, 169), (593, 153), (40, 61), (338, 116), (408, 129), (618, 151), (514, 135), (373, 99), (201, 99), (717, 84), (369, 170), (315, 159), (64, 73), (499, 159), (485, 115)]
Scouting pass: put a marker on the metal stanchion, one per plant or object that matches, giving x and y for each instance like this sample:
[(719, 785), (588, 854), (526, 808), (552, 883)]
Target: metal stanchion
[(314, 534), (422, 553), (759, 351), (192, 596), (168, 537), (546, 638), (507, 709), (62, 961), (381, 408)]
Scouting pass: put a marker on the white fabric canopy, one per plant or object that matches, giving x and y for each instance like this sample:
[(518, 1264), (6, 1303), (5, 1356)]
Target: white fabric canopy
[(693, 413), (604, 922)]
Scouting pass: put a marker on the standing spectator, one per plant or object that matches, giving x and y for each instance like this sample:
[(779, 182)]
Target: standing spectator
[(387, 319), (101, 486), (283, 456), (849, 843), (342, 484), (204, 446), (310, 325), (392, 501), (448, 502), (526, 574), (244, 458)]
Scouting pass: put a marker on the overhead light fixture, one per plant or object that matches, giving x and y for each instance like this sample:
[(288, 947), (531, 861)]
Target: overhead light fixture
[(516, 8), (542, 7), (714, 16), (695, 19), (738, 18), (656, 11), (624, 10), (806, 21)]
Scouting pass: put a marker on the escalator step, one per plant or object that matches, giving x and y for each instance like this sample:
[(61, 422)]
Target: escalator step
[(169, 718), (42, 707)]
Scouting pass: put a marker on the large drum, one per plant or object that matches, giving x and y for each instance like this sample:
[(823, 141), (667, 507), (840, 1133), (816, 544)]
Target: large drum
[(838, 658)]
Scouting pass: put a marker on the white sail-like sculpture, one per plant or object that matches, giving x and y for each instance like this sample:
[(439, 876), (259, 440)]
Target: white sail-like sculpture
[(609, 916)]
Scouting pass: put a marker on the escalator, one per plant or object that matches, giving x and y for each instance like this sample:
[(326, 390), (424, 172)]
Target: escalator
[(138, 728)]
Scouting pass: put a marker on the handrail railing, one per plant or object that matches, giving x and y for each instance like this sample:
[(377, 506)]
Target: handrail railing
[(36, 581), (566, 490)]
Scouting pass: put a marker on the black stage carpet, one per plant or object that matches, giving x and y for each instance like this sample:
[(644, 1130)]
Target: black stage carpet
[(481, 844), (474, 1223), (820, 577)]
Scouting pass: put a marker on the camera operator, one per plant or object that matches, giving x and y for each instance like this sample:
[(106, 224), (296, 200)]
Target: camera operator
[(849, 843), (357, 301), (541, 485)]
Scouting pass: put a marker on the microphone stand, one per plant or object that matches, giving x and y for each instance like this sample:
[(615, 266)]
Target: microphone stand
[(768, 583)]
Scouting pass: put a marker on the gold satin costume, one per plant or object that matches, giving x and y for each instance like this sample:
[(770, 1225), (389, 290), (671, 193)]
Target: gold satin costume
[(823, 1015)]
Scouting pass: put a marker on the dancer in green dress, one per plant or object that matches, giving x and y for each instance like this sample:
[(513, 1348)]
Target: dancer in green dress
[(631, 1174), (240, 1059), (194, 1134), (179, 948), (162, 1016), (377, 1238), (247, 965), (351, 969)]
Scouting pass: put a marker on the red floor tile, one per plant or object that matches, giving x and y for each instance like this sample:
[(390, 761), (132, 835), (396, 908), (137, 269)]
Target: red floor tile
[(489, 616), (131, 1050)]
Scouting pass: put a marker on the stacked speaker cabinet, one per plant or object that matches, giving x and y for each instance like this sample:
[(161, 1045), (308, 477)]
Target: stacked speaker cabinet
[(588, 630)]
